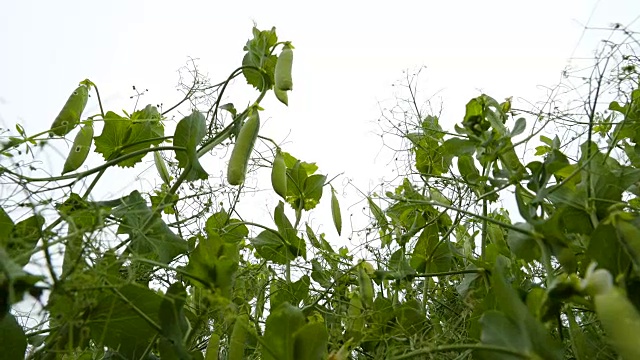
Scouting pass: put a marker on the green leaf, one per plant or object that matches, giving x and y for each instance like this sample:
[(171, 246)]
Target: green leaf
[(173, 321), (431, 158), (81, 214), (400, 268), (259, 55), (430, 254), (272, 248), (518, 127), (335, 211), (382, 222), (523, 200), (410, 317), (542, 344), (117, 319), (458, 147), (542, 150), (546, 140), (114, 135), (582, 349), (189, 133), (281, 326), (308, 168), (214, 263), (122, 136), (310, 342), (500, 330), (295, 245), (320, 244), (149, 235), (605, 249), (145, 130), (320, 275), (468, 170), (231, 230), (313, 186), (23, 238), (13, 341), (6, 225), (292, 293), (629, 236), (14, 282), (523, 246)]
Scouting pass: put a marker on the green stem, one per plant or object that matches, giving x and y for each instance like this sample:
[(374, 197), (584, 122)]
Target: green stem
[(459, 347), (481, 217), (107, 164)]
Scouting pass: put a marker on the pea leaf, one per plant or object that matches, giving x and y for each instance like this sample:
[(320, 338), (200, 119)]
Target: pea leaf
[(119, 323), (13, 341), (6, 225), (214, 262), (313, 190), (519, 127), (500, 330), (23, 238), (310, 342), (270, 247), (123, 135), (281, 326), (381, 221), (149, 235), (519, 317), (189, 133), (429, 254), (295, 245), (259, 55), (173, 322)]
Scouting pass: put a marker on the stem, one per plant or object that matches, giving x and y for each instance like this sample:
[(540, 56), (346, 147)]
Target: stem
[(107, 164), (458, 347), (488, 219)]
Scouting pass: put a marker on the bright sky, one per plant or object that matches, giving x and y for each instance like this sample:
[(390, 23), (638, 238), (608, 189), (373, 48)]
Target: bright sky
[(348, 54)]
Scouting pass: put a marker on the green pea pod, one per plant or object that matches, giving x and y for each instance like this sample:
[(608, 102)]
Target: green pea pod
[(335, 211), (279, 175), (161, 167), (79, 150), (69, 116), (242, 149), (618, 316), (366, 286), (355, 321), (213, 347), (282, 96), (238, 338), (283, 69)]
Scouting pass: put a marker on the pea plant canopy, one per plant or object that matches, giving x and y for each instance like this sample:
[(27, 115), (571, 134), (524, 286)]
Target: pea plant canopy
[(443, 271)]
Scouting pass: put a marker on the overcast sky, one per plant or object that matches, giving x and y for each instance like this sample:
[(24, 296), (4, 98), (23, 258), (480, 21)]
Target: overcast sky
[(347, 56)]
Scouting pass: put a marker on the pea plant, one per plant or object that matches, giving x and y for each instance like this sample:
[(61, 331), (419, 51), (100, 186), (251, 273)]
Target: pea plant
[(443, 271)]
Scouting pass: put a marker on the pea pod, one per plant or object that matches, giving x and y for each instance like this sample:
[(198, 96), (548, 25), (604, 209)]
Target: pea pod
[(283, 69), (79, 150), (238, 338), (279, 175), (70, 114), (355, 321), (282, 96), (213, 347), (366, 286), (242, 149), (335, 211), (618, 316), (161, 167)]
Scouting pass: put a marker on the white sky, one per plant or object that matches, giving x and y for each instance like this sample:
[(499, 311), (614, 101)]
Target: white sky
[(347, 56)]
